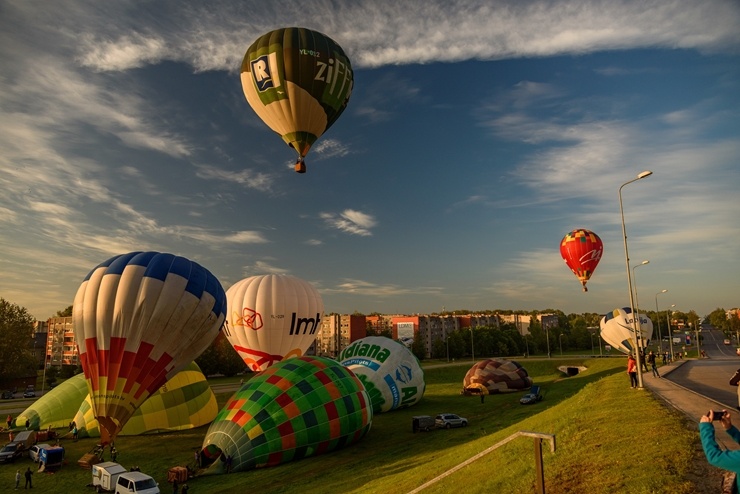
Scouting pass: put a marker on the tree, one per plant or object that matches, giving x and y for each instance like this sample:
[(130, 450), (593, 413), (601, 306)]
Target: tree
[(220, 358), (16, 350), (65, 313), (417, 348), (718, 319), (51, 375)]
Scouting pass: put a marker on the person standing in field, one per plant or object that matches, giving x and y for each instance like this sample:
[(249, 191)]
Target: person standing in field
[(632, 370)]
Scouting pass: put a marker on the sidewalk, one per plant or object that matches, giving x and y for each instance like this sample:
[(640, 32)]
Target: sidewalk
[(691, 403)]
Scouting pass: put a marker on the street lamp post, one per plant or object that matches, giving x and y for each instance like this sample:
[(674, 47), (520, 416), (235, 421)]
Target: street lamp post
[(670, 333), (472, 344), (593, 352), (561, 344), (698, 345), (637, 300), (547, 335), (642, 175), (657, 316)]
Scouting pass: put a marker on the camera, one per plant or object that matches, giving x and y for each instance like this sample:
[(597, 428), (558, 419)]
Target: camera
[(718, 414)]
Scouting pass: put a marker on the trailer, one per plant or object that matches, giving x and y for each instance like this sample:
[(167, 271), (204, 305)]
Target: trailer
[(51, 457), (105, 474)]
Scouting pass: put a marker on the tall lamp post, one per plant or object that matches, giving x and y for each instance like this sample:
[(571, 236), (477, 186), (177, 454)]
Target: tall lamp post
[(670, 334), (561, 344), (472, 344), (657, 316), (642, 175), (698, 345), (637, 300)]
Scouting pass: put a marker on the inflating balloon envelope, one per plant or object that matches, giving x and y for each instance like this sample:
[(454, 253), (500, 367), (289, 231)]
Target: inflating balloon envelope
[(390, 372), (496, 376), (272, 317), (140, 318), (297, 408), (183, 402), (617, 329)]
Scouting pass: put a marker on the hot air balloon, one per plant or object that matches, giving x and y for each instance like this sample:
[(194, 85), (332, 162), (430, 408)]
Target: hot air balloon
[(272, 317), (139, 319), (297, 408), (184, 402), (496, 376), (581, 251), (390, 372), (298, 81), (617, 329)]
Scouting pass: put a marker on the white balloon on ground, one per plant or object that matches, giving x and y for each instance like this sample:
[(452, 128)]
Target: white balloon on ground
[(390, 372)]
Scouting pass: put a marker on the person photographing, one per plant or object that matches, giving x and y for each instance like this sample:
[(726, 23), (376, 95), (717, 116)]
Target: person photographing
[(717, 457)]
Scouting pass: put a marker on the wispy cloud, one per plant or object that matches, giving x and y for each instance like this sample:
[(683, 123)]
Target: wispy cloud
[(329, 148), (367, 288), (350, 221), (384, 32)]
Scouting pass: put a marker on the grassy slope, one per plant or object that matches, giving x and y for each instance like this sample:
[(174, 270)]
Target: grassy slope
[(610, 438)]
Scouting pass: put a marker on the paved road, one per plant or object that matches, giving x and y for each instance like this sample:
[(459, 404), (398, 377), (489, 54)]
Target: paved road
[(710, 376)]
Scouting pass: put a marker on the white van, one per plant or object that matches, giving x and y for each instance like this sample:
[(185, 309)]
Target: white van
[(105, 474), (136, 482)]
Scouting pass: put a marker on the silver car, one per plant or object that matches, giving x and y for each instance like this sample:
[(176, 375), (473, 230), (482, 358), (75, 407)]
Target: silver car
[(449, 420)]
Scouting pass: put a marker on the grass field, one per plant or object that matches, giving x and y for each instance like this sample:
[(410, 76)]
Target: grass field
[(610, 439)]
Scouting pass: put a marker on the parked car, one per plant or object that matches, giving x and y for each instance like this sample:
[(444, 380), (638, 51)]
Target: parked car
[(10, 452), (7, 395), (29, 392), (727, 342), (34, 451), (448, 420), (136, 482)]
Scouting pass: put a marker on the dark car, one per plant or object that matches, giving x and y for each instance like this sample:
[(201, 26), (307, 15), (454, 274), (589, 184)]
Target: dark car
[(29, 392), (10, 452), (449, 420), (7, 395)]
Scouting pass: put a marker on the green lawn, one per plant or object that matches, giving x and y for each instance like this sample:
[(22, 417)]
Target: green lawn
[(610, 439)]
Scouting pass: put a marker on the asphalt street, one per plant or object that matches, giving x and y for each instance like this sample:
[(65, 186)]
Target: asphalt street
[(695, 386)]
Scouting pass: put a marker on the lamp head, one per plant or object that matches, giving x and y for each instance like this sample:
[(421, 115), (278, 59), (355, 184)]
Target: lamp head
[(644, 174)]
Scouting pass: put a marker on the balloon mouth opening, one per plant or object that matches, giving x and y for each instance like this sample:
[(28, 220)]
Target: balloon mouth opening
[(209, 457)]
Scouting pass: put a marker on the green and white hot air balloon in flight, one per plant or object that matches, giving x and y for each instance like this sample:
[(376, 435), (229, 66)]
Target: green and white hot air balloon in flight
[(298, 81)]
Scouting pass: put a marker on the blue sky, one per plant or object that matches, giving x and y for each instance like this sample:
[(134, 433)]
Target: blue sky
[(477, 135)]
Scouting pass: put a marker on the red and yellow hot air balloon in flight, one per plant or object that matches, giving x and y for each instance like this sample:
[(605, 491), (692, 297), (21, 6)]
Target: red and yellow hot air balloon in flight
[(298, 81), (139, 319), (581, 250)]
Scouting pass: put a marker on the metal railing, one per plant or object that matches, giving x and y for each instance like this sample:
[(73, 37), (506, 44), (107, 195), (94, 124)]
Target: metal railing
[(538, 437)]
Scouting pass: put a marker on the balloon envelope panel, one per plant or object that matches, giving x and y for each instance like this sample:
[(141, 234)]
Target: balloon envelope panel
[(617, 329), (297, 408), (56, 407), (581, 250), (184, 402), (496, 376), (272, 317), (390, 372), (139, 318), (298, 81)]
